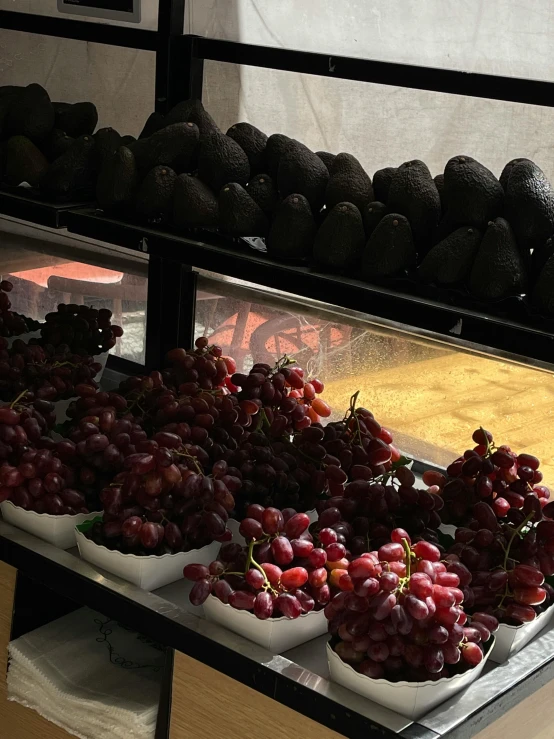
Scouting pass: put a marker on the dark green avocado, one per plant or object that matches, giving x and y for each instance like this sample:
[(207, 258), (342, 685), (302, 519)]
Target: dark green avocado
[(498, 270), (107, 142), (530, 204), (293, 229), (194, 204), (543, 294), (154, 122), (55, 144), (390, 248), (301, 171), (222, 160), (262, 190), (24, 162), (473, 193), (348, 182), (77, 119), (30, 114), (414, 194), (192, 111), (117, 181), (239, 215), (450, 260), (381, 183), (175, 146), (340, 239), (505, 176), (327, 158), (253, 142), (277, 143), (371, 215), (155, 196), (73, 171)]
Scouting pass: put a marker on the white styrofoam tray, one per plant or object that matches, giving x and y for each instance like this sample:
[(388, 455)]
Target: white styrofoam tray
[(277, 635), (57, 530), (412, 700), (148, 572), (234, 526), (510, 639), (24, 337)]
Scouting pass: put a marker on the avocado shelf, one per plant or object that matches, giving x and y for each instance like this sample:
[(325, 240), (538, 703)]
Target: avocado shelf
[(237, 259), (16, 202)]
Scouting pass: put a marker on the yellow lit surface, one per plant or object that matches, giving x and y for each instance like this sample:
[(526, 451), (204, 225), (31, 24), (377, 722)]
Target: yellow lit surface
[(441, 400)]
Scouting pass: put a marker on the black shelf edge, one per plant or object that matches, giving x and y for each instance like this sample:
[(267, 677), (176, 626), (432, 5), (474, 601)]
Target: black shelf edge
[(223, 256), (100, 33), (454, 82), (28, 207)]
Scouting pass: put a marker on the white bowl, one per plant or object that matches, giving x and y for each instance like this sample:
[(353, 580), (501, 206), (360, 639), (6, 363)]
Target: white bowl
[(238, 538), (510, 639), (148, 572), (24, 337), (412, 700), (277, 635), (57, 530)]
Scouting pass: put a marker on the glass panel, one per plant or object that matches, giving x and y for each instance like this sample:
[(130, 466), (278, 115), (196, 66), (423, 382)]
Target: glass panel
[(495, 37), (431, 395), (120, 82), (382, 126), (149, 12), (42, 281)]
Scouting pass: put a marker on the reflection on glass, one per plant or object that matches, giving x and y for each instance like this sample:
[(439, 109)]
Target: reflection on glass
[(431, 395)]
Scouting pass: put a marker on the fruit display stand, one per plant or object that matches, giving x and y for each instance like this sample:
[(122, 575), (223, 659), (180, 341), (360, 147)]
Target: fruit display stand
[(292, 690)]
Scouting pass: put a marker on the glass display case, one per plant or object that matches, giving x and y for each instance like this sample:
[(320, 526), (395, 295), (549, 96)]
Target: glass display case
[(432, 364)]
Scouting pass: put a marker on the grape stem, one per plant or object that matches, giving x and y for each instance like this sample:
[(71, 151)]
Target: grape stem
[(251, 561), (16, 401), (199, 469), (515, 533), (490, 446)]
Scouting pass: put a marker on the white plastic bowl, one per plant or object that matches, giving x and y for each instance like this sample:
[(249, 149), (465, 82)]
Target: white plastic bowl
[(277, 635), (148, 572), (510, 639), (412, 700), (57, 530)]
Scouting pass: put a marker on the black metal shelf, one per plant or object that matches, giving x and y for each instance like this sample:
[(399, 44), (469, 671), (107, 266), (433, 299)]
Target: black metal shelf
[(28, 206), (221, 255)]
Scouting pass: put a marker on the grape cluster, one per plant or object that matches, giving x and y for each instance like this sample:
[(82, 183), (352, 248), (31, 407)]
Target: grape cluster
[(44, 373), (85, 330), (496, 475), (398, 615), (12, 323), (36, 472), (278, 573)]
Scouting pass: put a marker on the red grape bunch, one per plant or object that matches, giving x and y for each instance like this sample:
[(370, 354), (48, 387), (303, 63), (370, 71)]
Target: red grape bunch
[(496, 475), (85, 330), (399, 615), (11, 323), (278, 573), (202, 368), (44, 373), (502, 566)]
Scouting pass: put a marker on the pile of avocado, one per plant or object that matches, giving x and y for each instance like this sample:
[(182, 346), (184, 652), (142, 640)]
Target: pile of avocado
[(462, 229), (52, 146)]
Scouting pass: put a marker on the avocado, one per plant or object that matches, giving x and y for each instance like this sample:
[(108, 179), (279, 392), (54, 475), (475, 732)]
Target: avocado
[(381, 183), (505, 176), (276, 145), (72, 171), (530, 204), (194, 204), (107, 142), (348, 182), (543, 294), (541, 255), (340, 239), (253, 142), (238, 213), (175, 146), (155, 195), (77, 119), (390, 248), (154, 123), (8, 94), (293, 229), (55, 144), (450, 260), (30, 114), (371, 215), (262, 190), (127, 140), (498, 270), (302, 171), (439, 182), (414, 194), (192, 111), (222, 160), (473, 193), (117, 181), (327, 158), (24, 162)]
